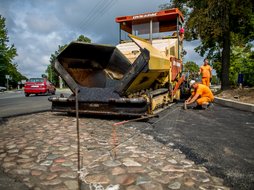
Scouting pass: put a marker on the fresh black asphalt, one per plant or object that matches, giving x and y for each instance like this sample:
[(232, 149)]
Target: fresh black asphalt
[(220, 139)]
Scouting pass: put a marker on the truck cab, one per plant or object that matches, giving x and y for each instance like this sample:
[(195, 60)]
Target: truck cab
[(161, 29)]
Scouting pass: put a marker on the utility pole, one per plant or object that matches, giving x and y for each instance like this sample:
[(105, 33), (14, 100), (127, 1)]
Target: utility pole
[(7, 83)]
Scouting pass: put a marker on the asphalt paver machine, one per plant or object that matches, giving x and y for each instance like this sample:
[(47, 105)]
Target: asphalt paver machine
[(139, 76)]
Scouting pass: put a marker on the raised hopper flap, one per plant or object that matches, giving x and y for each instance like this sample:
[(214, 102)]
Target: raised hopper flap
[(92, 65)]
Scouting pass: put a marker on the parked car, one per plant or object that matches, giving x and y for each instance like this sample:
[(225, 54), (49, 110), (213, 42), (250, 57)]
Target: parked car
[(39, 86), (2, 89)]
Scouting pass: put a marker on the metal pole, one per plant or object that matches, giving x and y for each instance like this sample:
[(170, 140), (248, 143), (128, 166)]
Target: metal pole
[(151, 31), (78, 140), (120, 33), (178, 43), (7, 85)]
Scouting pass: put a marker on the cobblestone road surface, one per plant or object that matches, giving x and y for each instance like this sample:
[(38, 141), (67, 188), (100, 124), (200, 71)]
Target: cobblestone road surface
[(40, 150)]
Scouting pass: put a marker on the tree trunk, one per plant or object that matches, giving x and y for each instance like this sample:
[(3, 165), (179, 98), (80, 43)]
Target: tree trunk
[(225, 48), (225, 61)]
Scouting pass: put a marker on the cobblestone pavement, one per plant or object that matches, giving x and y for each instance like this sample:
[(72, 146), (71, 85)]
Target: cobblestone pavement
[(40, 150)]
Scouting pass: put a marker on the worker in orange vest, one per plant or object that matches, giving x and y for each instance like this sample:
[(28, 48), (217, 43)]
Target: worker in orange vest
[(202, 96), (206, 72)]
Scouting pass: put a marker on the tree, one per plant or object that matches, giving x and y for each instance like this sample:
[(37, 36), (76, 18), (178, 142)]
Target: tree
[(82, 38), (15, 75), (7, 54), (52, 75), (214, 22), (192, 69), (241, 61)]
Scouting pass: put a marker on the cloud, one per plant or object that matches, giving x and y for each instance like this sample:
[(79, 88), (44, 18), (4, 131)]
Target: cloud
[(38, 23), (191, 54), (36, 28)]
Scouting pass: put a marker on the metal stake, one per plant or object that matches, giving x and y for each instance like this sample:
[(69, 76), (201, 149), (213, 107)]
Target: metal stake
[(78, 140)]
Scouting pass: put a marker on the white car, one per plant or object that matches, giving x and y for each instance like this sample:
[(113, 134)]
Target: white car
[(2, 89)]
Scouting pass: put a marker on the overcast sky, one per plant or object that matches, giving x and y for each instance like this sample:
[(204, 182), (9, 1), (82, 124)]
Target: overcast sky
[(37, 27)]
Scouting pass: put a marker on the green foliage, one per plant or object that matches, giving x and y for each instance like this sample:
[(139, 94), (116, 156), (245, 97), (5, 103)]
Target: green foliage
[(215, 23), (175, 4), (16, 76), (215, 80), (7, 54), (52, 74), (242, 61), (192, 69), (82, 38)]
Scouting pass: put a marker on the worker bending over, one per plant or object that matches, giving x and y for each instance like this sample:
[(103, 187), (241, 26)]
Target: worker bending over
[(206, 72), (201, 97)]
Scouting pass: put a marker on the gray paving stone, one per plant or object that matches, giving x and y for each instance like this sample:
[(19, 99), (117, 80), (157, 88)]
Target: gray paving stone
[(71, 175), (98, 179), (112, 163), (9, 165), (71, 184), (52, 182), (45, 156), (175, 185), (40, 168), (46, 163), (53, 156), (125, 179), (13, 151), (151, 186), (142, 180), (118, 171), (9, 159), (25, 160), (36, 172), (130, 162), (21, 171)]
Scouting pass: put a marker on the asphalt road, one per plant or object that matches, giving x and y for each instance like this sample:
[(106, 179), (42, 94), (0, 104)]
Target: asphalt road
[(220, 139), (15, 103)]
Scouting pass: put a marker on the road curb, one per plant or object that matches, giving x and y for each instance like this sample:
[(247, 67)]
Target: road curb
[(234, 104), (22, 114)]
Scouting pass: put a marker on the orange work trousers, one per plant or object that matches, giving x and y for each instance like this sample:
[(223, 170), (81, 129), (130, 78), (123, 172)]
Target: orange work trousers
[(206, 81), (202, 100)]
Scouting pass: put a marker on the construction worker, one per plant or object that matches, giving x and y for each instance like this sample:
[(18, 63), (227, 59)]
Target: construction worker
[(206, 72), (202, 96), (181, 34)]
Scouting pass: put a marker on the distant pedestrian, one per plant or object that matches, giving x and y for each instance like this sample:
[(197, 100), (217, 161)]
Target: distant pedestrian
[(202, 96), (206, 72)]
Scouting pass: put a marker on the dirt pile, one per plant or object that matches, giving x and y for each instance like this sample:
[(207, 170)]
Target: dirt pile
[(245, 95)]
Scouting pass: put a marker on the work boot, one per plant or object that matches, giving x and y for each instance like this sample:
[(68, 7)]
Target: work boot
[(205, 105), (210, 106)]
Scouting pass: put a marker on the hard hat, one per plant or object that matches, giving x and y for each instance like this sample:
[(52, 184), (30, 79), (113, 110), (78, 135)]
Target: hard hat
[(182, 30), (192, 82)]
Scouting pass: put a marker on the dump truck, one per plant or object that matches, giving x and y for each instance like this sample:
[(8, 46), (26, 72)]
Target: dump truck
[(139, 76)]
